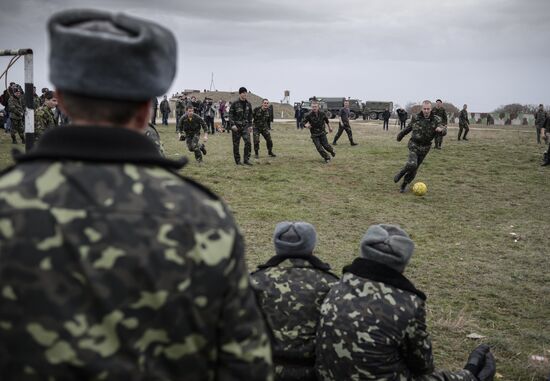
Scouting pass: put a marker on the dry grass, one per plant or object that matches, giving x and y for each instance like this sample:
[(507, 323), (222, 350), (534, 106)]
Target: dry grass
[(477, 278)]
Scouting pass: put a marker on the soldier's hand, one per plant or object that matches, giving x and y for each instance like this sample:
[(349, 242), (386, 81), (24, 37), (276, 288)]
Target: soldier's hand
[(307, 125), (329, 129), (439, 129), (234, 128), (205, 137)]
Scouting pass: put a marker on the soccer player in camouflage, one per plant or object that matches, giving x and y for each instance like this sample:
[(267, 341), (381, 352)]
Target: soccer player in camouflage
[(373, 322), (463, 123), (262, 121), (540, 120), (112, 265), (424, 127), (240, 120), (189, 127), (44, 118), (290, 288), (440, 111), (344, 125), (17, 113), (315, 121)]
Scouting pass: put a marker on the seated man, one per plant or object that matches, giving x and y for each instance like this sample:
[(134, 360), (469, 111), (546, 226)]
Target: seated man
[(373, 322), (290, 288)]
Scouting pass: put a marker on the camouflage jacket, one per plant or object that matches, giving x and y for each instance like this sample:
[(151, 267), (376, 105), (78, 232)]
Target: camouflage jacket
[(36, 101), (463, 118), (191, 127), (373, 327), (17, 111), (317, 121), (113, 267), (423, 130), (344, 116), (240, 114), (540, 118), (262, 118), (43, 120), (290, 291), (180, 107), (440, 112), (152, 134)]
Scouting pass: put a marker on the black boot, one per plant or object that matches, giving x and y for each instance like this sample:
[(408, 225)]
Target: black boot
[(203, 149), (546, 159), (13, 140), (246, 162), (403, 187), (270, 153), (334, 142), (256, 155), (353, 143)]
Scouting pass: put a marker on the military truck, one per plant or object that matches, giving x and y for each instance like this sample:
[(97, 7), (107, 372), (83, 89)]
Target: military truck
[(334, 105), (374, 109), (306, 107)]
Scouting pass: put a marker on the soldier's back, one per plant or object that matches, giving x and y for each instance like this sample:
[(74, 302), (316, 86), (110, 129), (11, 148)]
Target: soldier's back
[(290, 295), (107, 271)]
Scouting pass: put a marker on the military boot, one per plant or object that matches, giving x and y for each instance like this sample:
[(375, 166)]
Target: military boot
[(13, 140), (203, 149), (270, 153), (546, 159), (353, 143), (403, 187)]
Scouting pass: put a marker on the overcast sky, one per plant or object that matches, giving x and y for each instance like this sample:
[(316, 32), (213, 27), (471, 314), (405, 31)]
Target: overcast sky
[(481, 52)]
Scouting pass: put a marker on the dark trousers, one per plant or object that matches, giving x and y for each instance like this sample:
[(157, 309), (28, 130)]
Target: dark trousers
[(209, 120), (402, 124), (463, 127), (538, 133), (299, 124), (411, 166), (386, 124), (341, 128), (438, 140), (178, 117), (267, 136), (154, 117), (321, 143), (165, 118), (237, 135), (194, 146)]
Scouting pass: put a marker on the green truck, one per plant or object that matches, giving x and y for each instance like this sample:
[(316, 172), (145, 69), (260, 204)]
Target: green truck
[(306, 107), (374, 109), (335, 104)]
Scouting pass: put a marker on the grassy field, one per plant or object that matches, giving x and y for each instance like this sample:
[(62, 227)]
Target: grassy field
[(478, 278)]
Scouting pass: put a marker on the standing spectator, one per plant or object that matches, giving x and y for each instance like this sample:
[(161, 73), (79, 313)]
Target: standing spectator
[(154, 109), (386, 116), (209, 112), (298, 116), (165, 110), (180, 109), (402, 115), (540, 119)]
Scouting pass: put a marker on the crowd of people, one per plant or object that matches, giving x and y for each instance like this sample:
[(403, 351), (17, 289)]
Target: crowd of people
[(115, 267)]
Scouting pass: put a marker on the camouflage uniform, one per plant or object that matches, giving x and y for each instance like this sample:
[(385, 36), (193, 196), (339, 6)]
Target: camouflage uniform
[(344, 125), (43, 120), (463, 124), (191, 127), (17, 113), (36, 101), (180, 110), (317, 120), (152, 134), (423, 132), (240, 116), (373, 327), (290, 291), (262, 121), (443, 115), (540, 120), (113, 267)]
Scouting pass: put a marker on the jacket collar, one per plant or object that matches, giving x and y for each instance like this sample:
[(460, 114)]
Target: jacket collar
[(378, 272), (310, 258), (97, 144)]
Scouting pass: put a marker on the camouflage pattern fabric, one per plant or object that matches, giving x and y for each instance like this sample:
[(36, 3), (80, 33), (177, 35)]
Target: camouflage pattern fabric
[(423, 132), (194, 146), (290, 294), (322, 146), (240, 116), (463, 124), (121, 271), (540, 121), (43, 120), (438, 140), (262, 121), (152, 134), (344, 125), (371, 330), (17, 128), (17, 110), (317, 120), (191, 126)]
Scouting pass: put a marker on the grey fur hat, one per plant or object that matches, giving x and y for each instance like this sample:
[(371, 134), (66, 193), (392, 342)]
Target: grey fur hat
[(387, 244), (111, 56), (291, 238)]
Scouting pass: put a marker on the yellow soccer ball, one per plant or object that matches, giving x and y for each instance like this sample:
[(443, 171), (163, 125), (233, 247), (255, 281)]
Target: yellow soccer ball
[(420, 189)]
